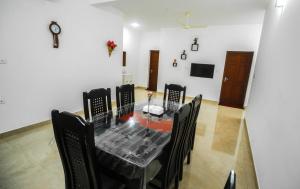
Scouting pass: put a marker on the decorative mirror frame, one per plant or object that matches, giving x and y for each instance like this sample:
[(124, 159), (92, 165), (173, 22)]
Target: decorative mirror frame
[(195, 45), (175, 63), (183, 55)]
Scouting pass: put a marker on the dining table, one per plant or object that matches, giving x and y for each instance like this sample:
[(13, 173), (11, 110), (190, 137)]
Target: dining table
[(129, 139)]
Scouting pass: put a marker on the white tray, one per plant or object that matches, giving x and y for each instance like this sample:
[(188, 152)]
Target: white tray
[(154, 110)]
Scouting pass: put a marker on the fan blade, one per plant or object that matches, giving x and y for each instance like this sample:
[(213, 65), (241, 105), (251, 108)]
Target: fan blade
[(197, 26), (181, 23), (187, 27), (187, 23)]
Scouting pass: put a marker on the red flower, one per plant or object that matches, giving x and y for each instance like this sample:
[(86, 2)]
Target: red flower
[(111, 44)]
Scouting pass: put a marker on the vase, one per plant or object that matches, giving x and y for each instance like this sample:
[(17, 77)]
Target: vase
[(110, 50)]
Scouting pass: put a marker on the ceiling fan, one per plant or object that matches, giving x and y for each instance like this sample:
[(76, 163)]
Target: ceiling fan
[(186, 24)]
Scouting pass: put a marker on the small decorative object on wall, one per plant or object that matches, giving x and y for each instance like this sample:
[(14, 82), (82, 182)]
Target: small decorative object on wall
[(175, 63), (195, 45), (55, 30), (110, 46), (183, 55)]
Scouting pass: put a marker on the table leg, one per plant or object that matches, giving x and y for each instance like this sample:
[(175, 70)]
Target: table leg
[(145, 178)]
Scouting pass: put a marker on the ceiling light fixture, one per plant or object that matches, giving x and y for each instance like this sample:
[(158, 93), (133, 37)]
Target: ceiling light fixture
[(280, 3), (135, 24)]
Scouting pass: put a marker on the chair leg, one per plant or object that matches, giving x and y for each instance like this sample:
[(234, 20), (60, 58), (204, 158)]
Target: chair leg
[(189, 158), (176, 182), (193, 138), (181, 170), (193, 143)]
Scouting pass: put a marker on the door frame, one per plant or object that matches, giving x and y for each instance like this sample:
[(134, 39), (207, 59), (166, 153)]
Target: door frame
[(247, 81), (149, 68)]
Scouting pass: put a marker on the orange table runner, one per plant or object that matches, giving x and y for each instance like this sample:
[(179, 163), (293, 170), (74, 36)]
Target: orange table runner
[(159, 125)]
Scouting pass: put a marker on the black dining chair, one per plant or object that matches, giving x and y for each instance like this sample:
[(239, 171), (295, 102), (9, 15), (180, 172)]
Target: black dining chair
[(171, 154), (231, 181), (198, 99), (172, 95), (189, 134), (100, 102), (125, 98), (76, 146)]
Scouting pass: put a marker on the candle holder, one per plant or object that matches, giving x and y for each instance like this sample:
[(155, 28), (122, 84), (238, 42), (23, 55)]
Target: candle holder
[(148, 114)]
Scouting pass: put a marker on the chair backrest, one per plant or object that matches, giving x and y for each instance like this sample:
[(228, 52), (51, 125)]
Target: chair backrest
[(189, 131), (172, 94), (76, 145), (125, 95), (184, 143), (193, 120), (231, 181), (100, 102), (181, 119), (125, 98)]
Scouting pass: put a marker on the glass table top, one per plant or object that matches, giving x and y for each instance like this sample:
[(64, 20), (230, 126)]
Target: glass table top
[(133, 135)]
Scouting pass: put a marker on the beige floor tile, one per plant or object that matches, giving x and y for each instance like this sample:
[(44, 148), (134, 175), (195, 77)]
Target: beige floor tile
[(29, 160)]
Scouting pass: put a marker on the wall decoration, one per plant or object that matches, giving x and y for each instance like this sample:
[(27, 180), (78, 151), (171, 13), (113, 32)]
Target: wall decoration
[(195, 45), (110, 46), (55, 30), (175, 63), (183, 55)]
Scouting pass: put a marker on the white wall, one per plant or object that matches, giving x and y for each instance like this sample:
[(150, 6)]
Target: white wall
[(131, 44), (149, 41), (214, 42), (39, 78), (274, 106)]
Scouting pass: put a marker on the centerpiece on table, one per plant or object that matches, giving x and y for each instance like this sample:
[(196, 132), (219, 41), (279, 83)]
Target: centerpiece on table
[(152, 109)]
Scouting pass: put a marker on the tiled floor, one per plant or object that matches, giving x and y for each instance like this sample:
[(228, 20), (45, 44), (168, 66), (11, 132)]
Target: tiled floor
[(29, 160)]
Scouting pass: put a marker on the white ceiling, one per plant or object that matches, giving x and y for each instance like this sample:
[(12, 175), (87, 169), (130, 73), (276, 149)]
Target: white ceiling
[(166, 13)]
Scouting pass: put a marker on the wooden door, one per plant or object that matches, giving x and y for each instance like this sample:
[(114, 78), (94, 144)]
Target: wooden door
[(124, 59), (235, 78), (153, 70)]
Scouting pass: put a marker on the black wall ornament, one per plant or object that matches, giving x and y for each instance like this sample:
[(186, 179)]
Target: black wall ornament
[(195, 45), (183, 55), (175, 63), (55, 29)]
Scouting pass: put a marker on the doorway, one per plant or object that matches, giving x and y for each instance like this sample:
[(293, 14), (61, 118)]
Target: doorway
[(153, 70), (124, 59), (235, 79)]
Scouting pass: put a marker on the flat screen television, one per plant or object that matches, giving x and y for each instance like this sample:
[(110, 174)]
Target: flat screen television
[(202, 70)]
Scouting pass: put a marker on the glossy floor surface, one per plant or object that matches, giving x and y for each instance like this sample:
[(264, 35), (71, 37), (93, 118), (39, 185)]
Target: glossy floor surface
[(30, 160)]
